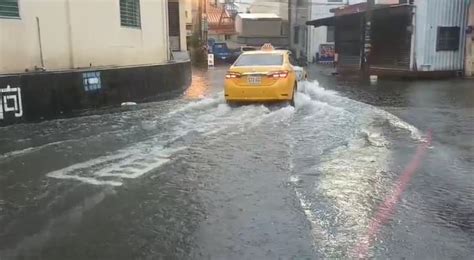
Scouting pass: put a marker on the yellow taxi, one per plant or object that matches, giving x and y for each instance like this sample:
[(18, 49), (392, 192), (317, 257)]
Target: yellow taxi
[(265, 75)]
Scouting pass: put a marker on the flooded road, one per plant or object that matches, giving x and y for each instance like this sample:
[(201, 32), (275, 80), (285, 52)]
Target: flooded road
[(192, 178)]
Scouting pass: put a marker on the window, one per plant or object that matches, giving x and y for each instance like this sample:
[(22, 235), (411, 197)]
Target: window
[(9, 8), (259, 60), (330, 34), (227, 37), (173, 19), (296, 36), (130, 13), (448, 39)]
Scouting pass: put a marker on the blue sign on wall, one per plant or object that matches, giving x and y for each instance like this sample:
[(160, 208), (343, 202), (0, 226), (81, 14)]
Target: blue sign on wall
[(91, 81)]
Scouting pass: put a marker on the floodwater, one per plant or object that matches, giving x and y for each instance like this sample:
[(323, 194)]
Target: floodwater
[(192, 178)]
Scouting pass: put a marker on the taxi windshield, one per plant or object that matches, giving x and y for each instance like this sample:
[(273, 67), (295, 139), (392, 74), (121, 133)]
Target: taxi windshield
[(260, 60)]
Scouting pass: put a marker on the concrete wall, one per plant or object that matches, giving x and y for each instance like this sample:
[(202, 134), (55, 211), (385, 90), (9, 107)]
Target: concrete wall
[(49, 95), (298, 18), (238, 24), (80, 33)]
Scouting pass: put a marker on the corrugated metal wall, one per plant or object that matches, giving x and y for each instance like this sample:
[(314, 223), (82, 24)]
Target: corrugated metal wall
[(429, 15), (391, 39)]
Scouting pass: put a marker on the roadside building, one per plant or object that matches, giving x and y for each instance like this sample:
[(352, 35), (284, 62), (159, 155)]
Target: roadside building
[(321, 39), (69, 55), (420, 38), (259, 28), (278, 7), (243, 6), (220, 22), (470, 42), (176, 22), (298, 15)]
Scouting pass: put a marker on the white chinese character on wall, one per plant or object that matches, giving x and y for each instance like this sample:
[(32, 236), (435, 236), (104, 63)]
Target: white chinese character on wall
[(10, 102)]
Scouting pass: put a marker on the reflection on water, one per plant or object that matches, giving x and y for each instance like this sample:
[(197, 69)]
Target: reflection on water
[(341, 159), (199, 87)]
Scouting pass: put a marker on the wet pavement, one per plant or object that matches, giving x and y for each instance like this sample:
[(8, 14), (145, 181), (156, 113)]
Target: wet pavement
[(192, 178)]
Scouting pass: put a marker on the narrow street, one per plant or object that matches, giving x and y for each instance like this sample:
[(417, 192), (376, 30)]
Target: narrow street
[(192, 178)]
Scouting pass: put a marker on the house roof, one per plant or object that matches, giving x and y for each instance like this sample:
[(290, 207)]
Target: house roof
[(214, 14), (260, 16), (219, 20)]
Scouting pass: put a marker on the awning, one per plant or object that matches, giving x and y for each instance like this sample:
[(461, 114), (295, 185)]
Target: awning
[(350, 11), (328, 21)]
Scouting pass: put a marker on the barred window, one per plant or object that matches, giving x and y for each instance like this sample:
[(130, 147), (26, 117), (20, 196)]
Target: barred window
[(448, 39), (9, 8), (130, 13)]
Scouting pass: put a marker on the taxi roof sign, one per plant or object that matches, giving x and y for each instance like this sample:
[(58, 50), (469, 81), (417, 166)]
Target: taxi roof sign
[(267, 47)]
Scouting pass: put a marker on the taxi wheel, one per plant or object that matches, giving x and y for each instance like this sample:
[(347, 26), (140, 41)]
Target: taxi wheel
[(295, 89), (231, 103)]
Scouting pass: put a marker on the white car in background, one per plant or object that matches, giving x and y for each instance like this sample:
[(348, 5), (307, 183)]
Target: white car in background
[(300, 73)]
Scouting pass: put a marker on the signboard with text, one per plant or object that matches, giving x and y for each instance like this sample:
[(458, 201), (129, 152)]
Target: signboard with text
[(10, 102), (210, 60)]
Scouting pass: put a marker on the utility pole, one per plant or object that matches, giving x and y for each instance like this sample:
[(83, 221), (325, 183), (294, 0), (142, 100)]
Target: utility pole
[(205, 22), (367, 37), (290, 26), (199, 20)]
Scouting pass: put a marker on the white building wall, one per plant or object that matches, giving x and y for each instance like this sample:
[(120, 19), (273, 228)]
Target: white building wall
[(182, 22), (278, 7), (19, 44), (80, 33), (429, 15), (317, 36), (188, 10)]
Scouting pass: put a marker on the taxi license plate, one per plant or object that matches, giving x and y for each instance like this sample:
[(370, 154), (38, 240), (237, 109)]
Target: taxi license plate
[(254, 80)]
